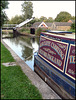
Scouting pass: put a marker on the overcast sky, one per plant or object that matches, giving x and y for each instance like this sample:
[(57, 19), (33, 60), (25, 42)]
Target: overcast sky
[(42, 8)]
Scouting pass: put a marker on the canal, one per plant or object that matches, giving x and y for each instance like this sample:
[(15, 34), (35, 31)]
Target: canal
[(24, 46)]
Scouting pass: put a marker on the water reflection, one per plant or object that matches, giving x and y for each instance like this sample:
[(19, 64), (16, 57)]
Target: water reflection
[(24, 47)]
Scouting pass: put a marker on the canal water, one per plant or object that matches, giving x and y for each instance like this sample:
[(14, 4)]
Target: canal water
[(24, 46)]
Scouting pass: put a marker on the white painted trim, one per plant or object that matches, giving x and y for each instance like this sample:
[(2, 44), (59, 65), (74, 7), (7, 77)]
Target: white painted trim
[(42, 23)]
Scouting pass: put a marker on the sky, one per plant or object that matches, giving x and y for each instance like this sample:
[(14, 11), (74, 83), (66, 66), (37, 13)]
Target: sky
[(42, 8)]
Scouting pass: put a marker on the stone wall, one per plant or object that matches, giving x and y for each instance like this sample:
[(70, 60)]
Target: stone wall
[(65, 28)]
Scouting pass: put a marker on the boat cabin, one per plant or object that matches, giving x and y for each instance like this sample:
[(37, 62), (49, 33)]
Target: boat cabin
[(55, 61)]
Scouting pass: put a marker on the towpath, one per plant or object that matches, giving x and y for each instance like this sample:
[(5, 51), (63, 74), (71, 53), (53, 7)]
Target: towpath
[(45, 90)]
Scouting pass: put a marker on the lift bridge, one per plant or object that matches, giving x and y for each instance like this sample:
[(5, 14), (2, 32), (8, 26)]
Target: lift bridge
[(15, 26)]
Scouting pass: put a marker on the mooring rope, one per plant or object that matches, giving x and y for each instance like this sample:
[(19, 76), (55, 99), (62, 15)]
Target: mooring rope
[(31, 55)]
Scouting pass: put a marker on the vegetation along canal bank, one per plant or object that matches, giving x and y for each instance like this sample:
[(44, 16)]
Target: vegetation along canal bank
[(16, 85)]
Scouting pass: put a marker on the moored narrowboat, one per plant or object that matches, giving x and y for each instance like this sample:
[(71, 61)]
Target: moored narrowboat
[(55, 62)]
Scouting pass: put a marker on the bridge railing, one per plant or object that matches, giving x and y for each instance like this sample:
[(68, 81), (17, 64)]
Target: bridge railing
[(9, 25)]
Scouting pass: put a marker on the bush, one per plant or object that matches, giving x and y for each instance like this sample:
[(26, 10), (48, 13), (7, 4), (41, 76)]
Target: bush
[(72, 30), (24, 29), (44, 29), (21, 30), (73, 26), (39, 31)]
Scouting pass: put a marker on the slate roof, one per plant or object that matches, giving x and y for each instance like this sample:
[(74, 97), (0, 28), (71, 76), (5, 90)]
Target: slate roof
[(73, 21), (36, 24), (48, 24), (62, 24)]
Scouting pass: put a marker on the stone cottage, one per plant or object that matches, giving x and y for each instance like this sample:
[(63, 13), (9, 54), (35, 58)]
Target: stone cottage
[(61, 26), (53, 26), (42, 25)]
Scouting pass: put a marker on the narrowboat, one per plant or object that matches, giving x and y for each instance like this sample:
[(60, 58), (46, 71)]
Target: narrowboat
[(55, 62)]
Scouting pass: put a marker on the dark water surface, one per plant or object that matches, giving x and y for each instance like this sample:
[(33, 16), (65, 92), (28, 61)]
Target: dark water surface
[(25, 47)]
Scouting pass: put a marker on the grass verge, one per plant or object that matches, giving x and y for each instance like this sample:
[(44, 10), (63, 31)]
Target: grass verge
[(14, 83)]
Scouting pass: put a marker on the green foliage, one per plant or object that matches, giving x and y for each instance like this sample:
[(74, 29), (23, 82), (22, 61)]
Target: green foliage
[(31, 22), (73, 26), (5, 55), (39, 30), (36, 19), (27, 9), (42, 18), (25, 30), (50, 19), (16, 20), (14, 83), (72, 30), (73, 17), (22, 30), (63, 17), (4, 5)]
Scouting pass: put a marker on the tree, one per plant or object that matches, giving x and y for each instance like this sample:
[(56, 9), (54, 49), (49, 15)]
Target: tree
[(4, 5), (63, 17), (50, 19), (36, 19), (73, 17), (73, 26), (16, 19), (42, 18), (27, 9)]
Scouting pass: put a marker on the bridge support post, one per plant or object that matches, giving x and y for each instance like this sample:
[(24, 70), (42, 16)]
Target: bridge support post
[(0, 34), (15, 33)]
